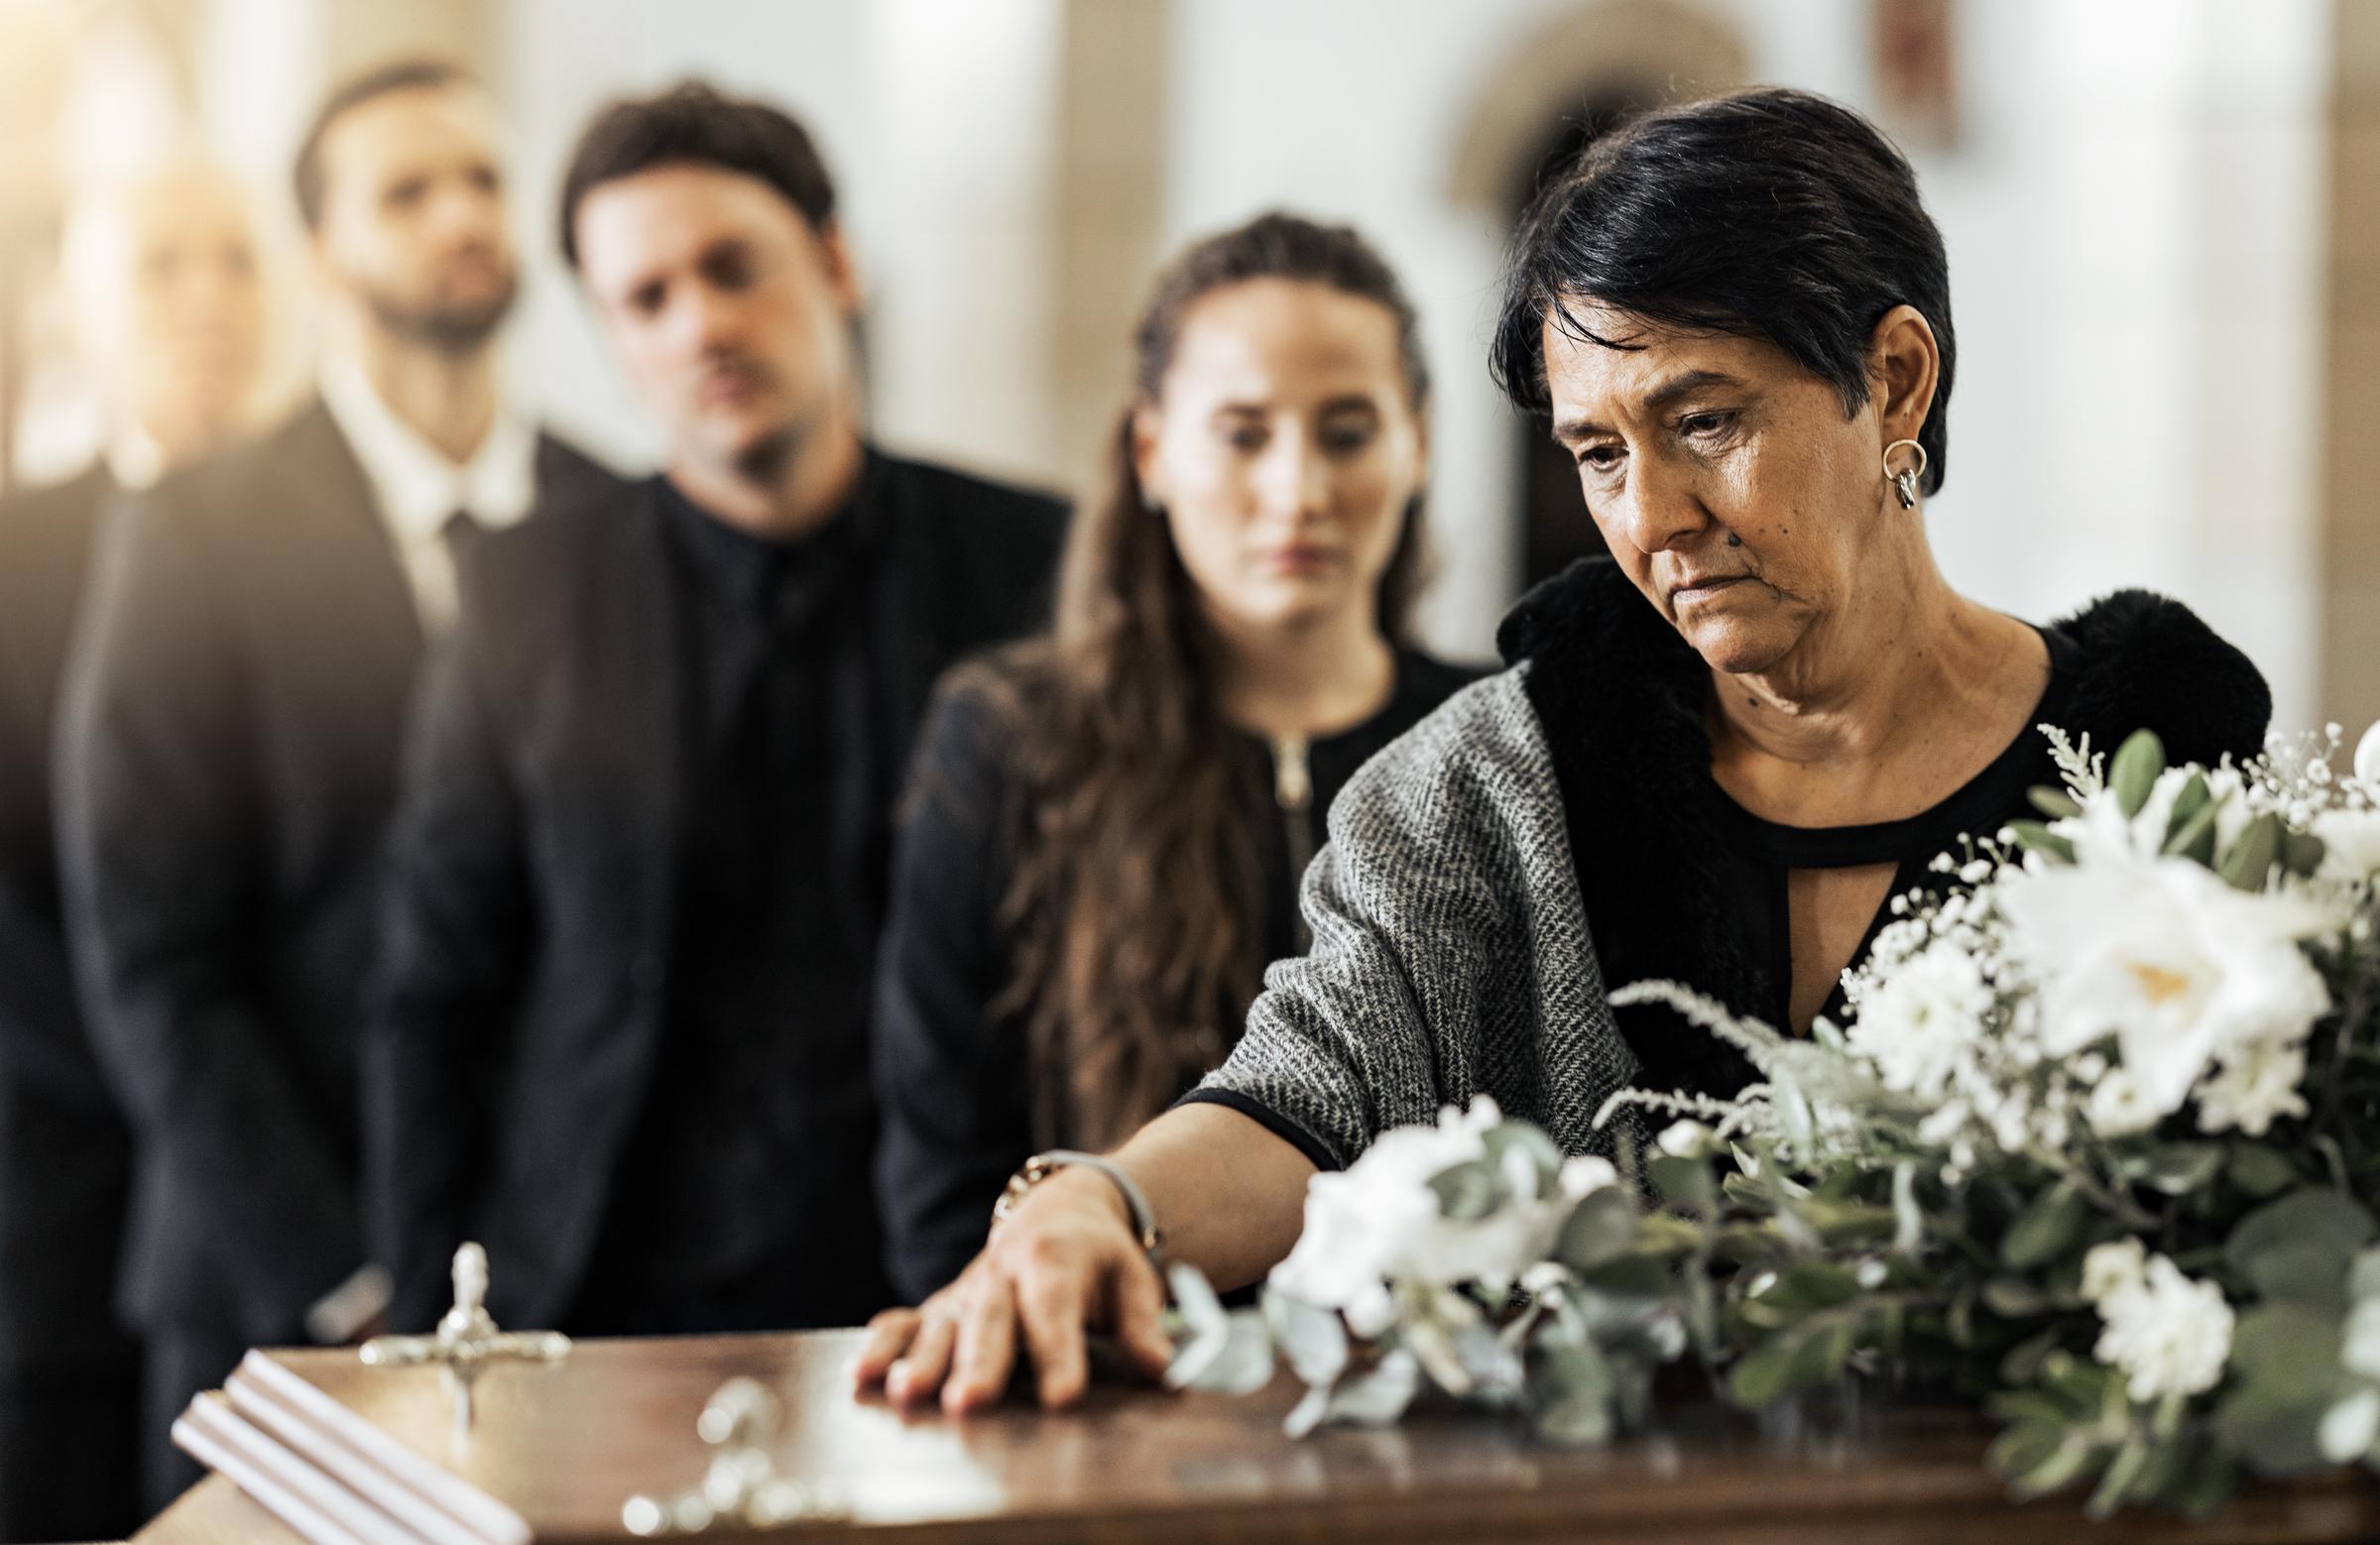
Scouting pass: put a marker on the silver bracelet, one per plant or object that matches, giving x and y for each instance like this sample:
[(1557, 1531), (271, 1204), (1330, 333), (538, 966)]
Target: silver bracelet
[(1043, 1165)]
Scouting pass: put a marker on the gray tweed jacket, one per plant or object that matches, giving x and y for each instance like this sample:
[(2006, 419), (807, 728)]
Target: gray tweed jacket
[(1450, 955)]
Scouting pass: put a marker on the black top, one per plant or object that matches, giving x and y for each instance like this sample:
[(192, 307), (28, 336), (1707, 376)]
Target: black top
[(226, 761), (951, 1077), (719, 1206), (1660, 851), (1761, 854), (66, 1158), (580, 962)]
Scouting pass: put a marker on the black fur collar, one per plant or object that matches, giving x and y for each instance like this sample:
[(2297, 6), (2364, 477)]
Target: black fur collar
[(1621, 699)]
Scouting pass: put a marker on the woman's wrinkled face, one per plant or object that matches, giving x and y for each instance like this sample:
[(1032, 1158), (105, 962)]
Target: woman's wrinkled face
[(1686, 440), (1284, 448)]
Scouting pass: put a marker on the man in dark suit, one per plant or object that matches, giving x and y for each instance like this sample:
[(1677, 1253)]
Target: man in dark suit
[(228, 746), (640, 873), (159, 267)]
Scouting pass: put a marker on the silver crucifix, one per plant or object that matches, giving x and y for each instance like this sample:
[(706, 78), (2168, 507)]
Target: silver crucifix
[(741, 1489), (466, 1339)]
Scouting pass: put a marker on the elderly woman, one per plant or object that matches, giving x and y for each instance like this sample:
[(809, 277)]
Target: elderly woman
[(1713, 756)]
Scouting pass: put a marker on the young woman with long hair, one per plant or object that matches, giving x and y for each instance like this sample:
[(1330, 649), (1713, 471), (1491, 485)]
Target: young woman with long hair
[(1108, 824)]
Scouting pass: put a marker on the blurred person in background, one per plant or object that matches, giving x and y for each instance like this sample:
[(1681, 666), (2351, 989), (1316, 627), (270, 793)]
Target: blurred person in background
[(228, 746), (161, 273), (622, 1037), (1109, 824)]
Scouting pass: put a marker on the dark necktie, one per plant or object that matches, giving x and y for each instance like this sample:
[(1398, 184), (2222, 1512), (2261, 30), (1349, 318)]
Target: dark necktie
[(461, 532)]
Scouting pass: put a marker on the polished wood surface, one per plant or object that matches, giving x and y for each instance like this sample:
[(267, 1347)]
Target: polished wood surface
[(216, 1512), (565, 1446)]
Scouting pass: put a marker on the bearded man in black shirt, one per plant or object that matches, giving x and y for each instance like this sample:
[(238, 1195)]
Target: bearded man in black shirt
[(620, 1036)]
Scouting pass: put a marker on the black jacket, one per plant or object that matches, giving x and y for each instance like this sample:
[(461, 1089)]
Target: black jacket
[(1622, 700), (65, 1157), (529, 910), (226, 766), (951, 1075)]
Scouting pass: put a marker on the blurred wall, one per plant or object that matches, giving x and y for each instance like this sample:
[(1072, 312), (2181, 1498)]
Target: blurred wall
[(2136, 199), (2133, 211)]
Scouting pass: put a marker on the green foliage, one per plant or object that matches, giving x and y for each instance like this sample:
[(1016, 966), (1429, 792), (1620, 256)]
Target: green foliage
[(2133, 773), (2034, 837), (2253, 853), (2048, 1226)]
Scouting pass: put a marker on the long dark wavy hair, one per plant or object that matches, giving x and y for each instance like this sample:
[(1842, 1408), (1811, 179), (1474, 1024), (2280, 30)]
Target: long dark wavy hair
[(1134, 917)]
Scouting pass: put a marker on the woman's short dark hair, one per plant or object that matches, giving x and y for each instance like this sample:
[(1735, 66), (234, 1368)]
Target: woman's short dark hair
[(1770, 213), (694, 123)]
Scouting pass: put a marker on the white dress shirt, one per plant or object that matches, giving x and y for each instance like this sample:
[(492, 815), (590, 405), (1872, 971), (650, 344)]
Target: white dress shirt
[(417, 487)]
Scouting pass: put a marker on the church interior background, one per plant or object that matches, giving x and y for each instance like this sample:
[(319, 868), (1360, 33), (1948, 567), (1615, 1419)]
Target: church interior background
[(2162, 217)]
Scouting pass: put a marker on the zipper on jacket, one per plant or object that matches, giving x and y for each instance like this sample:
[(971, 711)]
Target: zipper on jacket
[(1293, 792)]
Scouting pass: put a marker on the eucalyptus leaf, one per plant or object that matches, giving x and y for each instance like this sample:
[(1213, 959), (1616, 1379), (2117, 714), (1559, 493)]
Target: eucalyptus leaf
[(2307, 1221), (2034, 837), (2133, 773), (1685, 1182), (2179, 1169), (2253, 854), (2014, 1297), (2071, 1454), (2024, 1448), (1544, 1159), (2193, 837), (1765, 1372), (1572, 1395), (2286, 1347), (2048, 1226), (2131, 1462), (2310, 1272), (2275, 1428), (2301, 853), (1600, 1229), (2023, 1360), (2260, 1170), (2194, 795), (2055, 803), (1469, 1191), (1632, 1276)]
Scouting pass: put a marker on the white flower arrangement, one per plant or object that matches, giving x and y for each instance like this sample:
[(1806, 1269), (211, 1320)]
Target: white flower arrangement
[(2101, 1134)]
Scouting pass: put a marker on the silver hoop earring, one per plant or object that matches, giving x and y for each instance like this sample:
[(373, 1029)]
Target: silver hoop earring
[(1904, 482)]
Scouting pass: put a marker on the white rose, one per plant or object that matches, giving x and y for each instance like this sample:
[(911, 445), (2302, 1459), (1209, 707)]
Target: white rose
[(2367, 757), (1358, 1219), (2169, 1335), (1379, 1221), (2166, 958)]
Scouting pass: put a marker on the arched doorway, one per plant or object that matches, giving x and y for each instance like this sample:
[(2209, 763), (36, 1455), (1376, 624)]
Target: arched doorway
[(1577, 79)]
